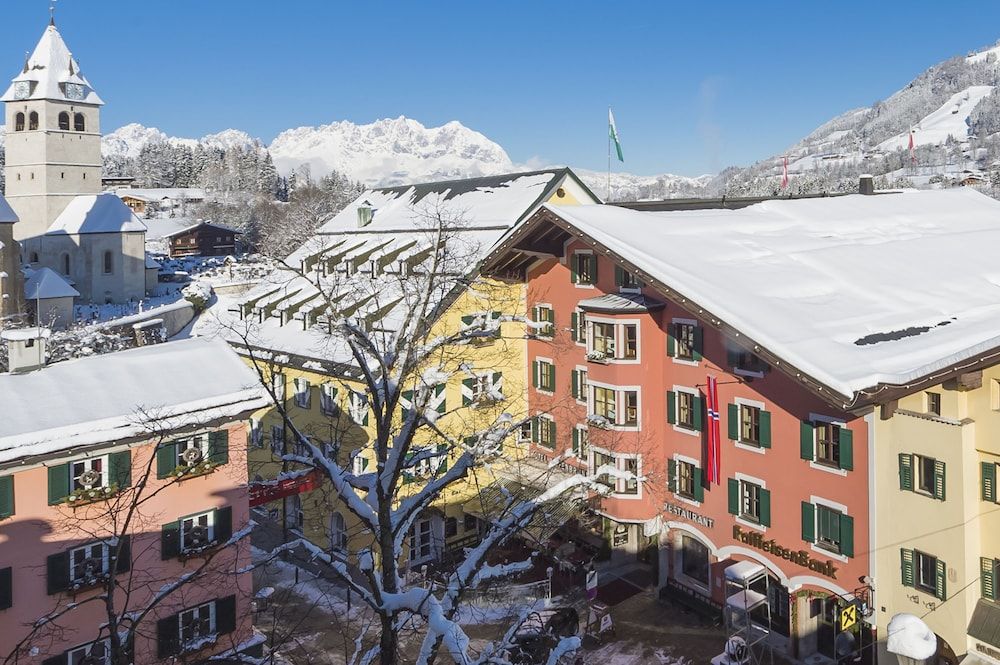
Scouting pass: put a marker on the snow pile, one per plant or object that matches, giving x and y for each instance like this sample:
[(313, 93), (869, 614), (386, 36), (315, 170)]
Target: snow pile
[(198, 294), (909, 636)]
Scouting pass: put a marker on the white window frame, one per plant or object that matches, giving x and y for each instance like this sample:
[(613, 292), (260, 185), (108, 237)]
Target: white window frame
[(619, 393), (572, 257), (338, 532), (584, 386), (677, 410), (583, 439), (358, 407), (918, 462), (544, 391), (194, 519), (678, 459), (739, 443), (327, 398), (358, 464), (303, 392), (199, 441), (550, 331), (832, 505), (212, 624), (88, 465), (278, 385), (84, 650), (483, 387), (620, 484), (618, 338), (278, 439), (582, 331), (104, 554), (546, 418), (674, 358), (813, 464), (415, 545), (256, 428), (744, 478)]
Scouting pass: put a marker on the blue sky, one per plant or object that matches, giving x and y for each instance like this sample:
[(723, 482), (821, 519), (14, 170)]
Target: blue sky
[(695, 86)]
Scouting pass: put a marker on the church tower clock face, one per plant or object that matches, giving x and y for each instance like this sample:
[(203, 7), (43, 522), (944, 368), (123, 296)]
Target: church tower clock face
[(74, 91), (22, 89)]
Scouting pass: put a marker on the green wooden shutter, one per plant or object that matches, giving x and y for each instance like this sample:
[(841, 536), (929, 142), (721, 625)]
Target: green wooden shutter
[(407, 396), (574, 320), (57, 572), (470, 386), (697, 406), (534, 429), (225, 615), (808, 522), (807, 442), (442, 450), (534, 373), (699, 343), (671, 407), (765, 507), (989, 481), (223, 524), (576, 441), (552, 433), (733, 422), (906, 472), (734, 496), (168, 637), (699, 486), (940, 580), (672, 340), (218, 446), (906, 566), (443, 405), (765, 429), (619, 276), (592, 260), (122, 555), (170, 541), (166, 460), (847, 535), (672, 475), (6, 588), (846, 449), (575, 384), (120, 468), (987, 578), (468, 319), (6, 496), (939, 480), (573, 272), (58, 483), (552, 375)]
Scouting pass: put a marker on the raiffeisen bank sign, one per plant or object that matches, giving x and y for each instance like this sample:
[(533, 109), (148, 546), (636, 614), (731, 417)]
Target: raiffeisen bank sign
[(800, 557)]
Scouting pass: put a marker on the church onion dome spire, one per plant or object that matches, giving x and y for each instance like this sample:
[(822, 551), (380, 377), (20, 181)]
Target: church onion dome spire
[(50, 72)]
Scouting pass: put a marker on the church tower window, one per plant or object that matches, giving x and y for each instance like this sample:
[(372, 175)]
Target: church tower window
[(19, 122), (109, 263), (64, 121), (65, 264), (78, 122), (33, 120)]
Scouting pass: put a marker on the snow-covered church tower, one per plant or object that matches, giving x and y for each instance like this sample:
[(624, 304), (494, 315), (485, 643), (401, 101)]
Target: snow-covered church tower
[(53, 141)]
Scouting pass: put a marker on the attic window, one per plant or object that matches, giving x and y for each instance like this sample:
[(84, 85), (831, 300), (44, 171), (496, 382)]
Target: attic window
[(365, 214)]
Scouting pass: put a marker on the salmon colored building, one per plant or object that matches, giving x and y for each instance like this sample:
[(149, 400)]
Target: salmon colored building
[(124, 475), (649, 308)]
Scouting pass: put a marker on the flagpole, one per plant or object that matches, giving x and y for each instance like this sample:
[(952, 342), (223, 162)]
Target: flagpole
[(609, 156)]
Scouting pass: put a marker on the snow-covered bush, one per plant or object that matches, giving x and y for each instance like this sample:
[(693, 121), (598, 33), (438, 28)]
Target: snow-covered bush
[(198, 294)]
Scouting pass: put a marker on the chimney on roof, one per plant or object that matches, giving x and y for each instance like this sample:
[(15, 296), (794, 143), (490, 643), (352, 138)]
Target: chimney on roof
[(365, 214), (866, 185), (25, 348)]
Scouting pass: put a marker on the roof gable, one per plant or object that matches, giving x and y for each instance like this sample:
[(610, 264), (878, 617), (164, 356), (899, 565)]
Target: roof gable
[(44, 283), (49, 68), (96, 213)]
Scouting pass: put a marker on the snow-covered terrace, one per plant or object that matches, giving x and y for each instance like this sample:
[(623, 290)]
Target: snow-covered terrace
[(122, 395), (852, 291)]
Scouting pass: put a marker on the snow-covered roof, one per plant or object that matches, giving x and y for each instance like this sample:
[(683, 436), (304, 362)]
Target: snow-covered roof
[(853, 291), (478, 211), (21, 334), (7, 214), (43, 283), (96, 213), (158, 228), (160, 193), (198, 225), (100, 399), (49, 68), (151, 263), (620, 302)]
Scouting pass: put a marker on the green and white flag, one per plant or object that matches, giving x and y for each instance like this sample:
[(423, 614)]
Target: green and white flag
[(613, 133)]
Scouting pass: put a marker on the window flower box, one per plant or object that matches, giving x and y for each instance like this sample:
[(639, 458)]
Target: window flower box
[(598, 357), (83, 497), (201, 469), (600, 422)]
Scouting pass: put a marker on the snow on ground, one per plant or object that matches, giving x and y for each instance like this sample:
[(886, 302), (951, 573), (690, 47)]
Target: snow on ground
[(948, 120), (316, 590), (631, 653)]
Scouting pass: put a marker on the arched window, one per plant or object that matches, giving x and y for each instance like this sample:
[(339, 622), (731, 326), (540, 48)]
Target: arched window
[(64, 120), (78, 123), (65, 264), (109, 263), (338, 533), (33, 120), (19, 122)]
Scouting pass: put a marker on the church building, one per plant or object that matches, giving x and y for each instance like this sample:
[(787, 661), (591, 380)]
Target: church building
[(53, 180)]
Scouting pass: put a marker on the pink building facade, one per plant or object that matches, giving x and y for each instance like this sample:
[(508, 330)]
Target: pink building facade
[(620, 379), (149, 510)]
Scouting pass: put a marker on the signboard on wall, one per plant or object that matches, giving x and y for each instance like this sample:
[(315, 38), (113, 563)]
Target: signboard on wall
[(267, 491)]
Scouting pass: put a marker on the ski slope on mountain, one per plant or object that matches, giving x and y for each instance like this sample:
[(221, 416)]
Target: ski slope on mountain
[(950, 120)]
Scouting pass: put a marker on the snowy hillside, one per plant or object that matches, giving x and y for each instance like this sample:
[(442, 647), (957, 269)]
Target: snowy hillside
[(128, 141), (952, 120), (389, 151)]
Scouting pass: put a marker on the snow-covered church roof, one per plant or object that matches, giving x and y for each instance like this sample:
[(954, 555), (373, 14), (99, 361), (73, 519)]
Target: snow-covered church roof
[(853, 291), (47, 71), (96, 213), (44, 283), (100, 399), (7, 214)]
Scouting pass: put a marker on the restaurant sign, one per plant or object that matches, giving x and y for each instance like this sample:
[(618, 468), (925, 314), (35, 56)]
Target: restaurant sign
[(681, 511), (800, 557)]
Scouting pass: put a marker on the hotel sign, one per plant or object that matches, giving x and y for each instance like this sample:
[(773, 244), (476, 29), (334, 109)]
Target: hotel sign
[(681, 511), (800, 557)]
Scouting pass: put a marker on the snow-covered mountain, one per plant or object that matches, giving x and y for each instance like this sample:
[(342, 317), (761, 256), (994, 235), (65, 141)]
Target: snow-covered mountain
[(629, 187), (390, 151), (128, 141)]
